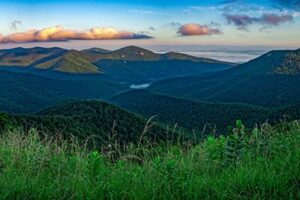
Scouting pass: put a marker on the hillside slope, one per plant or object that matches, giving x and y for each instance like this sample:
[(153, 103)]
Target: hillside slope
[(200, 116), (86, 119), (69, 62), (23, 93), (23, 57), (188, 113), (270, 80), (149, 71)]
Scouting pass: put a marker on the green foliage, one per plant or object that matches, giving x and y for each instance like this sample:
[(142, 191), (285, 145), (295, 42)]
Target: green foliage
[(101, 122), (49, 168), (290, 64), (202, 117)]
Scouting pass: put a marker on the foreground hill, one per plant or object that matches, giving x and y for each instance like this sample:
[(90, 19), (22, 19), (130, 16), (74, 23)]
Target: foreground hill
[(270, 80), (89, 62), (200, 116), (23, 93), (87, 119)]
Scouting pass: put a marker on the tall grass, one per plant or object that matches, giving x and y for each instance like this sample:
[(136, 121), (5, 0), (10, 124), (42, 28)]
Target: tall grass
[(263, 163)]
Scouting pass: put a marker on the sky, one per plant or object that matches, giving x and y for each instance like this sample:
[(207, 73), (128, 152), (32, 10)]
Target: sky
[(156, 23)]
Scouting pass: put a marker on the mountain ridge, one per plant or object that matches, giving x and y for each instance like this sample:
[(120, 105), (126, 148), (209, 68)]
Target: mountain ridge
[(87, 119), (40, 57), (203, 117)]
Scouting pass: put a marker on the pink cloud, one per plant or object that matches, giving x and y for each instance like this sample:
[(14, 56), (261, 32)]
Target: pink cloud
[(59, 33), (197, 29)]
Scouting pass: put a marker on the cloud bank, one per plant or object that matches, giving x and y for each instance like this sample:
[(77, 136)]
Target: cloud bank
[(243, 21), (197, 29), (59, 33)]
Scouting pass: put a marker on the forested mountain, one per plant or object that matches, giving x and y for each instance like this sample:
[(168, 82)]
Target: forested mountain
[(87, 119), (149, 71), (200, 116), (23, 93), (270, 80)]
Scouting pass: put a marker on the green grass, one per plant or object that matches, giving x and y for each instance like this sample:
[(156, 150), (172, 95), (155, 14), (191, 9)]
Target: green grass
[(263, 163)]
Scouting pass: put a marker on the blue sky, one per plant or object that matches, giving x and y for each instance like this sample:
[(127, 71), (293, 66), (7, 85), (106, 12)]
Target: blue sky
[(144, 22)]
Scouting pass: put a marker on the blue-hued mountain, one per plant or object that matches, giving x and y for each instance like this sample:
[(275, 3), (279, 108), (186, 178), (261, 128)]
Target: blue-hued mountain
[(24, 92), (128, 63), (271, 80)]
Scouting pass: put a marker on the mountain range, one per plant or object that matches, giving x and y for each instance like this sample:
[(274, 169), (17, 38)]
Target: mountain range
[(197, 94), (32, 79), (88, 61)]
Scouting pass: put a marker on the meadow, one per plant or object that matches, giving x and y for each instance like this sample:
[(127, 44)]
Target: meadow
[(258, 163)]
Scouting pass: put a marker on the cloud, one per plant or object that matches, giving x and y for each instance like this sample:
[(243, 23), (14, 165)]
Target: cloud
[(197, 29), (59, 33), (151, 28), (228, 1), (243, 21), (141, 86), (275, 20), (14, 25)]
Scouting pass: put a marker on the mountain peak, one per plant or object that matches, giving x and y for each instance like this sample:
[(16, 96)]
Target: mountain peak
[(135, 53), (96, 50), (132, 48), (274, 62), (72, 61)]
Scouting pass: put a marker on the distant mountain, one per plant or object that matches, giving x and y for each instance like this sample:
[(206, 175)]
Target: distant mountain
[(135, 64), (181, 56), (87, 120), (23, 93), (202, 117), (270, 80), (90, 61), (96, 51), (149, 71), (132, 53), (23, 57)]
